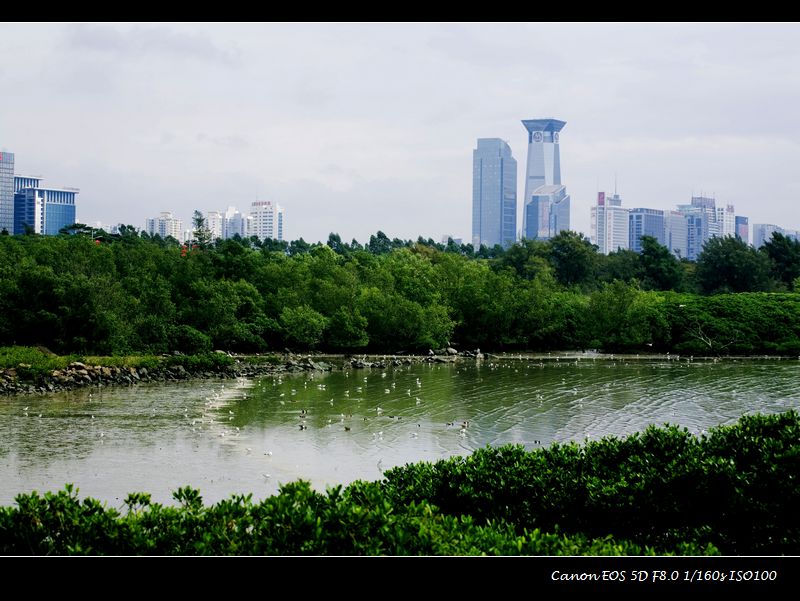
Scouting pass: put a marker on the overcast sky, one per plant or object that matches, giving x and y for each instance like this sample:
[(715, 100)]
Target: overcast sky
[(365, 127)]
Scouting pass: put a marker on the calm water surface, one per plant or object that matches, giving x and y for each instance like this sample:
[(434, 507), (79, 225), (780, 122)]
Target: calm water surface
[(244, 436)]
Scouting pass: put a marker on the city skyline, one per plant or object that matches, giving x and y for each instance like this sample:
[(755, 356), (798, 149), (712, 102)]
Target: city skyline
[(344, 123)]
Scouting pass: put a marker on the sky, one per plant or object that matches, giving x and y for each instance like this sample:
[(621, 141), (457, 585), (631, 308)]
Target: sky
[(355, 128)]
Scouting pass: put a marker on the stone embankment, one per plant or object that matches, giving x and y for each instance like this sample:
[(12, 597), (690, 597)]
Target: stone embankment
[(22, 379)]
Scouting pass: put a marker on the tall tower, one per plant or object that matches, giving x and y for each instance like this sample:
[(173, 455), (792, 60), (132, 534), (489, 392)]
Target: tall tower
[(494, 194), (543, 188), (7, 192)]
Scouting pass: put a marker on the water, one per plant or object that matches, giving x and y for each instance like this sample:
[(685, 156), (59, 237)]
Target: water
[(245, 436)]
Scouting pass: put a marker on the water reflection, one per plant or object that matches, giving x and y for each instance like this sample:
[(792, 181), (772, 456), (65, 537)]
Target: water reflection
[(229, 437)]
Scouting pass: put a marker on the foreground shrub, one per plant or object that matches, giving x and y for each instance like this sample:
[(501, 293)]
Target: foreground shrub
[(359, 520), (736, 488)]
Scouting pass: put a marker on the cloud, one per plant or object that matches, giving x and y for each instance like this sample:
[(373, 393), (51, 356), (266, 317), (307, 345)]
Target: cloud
[(143, 40), (233, 142)]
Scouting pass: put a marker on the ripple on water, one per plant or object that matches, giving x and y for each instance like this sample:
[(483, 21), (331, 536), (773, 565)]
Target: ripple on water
[(156, 438)]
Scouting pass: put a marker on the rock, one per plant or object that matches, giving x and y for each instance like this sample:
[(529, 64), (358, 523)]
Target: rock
[(77, 365), (451, 351), (24, 365)]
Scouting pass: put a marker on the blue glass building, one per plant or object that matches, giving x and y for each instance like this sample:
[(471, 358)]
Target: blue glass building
[(44, 210), (645, 222), (494, 194)]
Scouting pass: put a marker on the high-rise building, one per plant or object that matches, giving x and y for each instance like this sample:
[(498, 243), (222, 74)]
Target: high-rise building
[(646, 222), (494, 194), (726, 221), (676, 232), (165, 225), (7, 192), (235, 223), (742, 229), (546, 204), (547, 212), (215, 224), (762, 232), (701, 221), (559, 211), (26, 181), (610, 224), (266, 220), (43, 210)]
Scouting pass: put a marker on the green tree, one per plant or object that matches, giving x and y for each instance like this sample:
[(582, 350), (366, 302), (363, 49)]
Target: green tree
[(527, 257), (379, 244), (623, 264), (347, 329), (784, 254), (335, 242), (573, 258), (730, 265), (202, 235), (623, 317), (661, 270), (303, 325)]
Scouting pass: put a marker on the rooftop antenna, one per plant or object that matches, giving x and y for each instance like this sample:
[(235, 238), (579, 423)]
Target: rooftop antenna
[(615, 184)]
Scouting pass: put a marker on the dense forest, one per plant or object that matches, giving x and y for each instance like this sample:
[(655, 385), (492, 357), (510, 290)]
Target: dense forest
[(86, 291)]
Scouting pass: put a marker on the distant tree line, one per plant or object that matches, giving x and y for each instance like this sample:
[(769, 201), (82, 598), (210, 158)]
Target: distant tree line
[(90, 291)]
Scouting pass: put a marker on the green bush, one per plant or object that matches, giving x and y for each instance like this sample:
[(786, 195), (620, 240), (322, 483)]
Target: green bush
[(359, 520), (189, 340), (735, 488), (201, 362), (37, 363)]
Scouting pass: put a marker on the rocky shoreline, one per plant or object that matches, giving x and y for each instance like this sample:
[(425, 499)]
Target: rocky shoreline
[(16, 380)]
